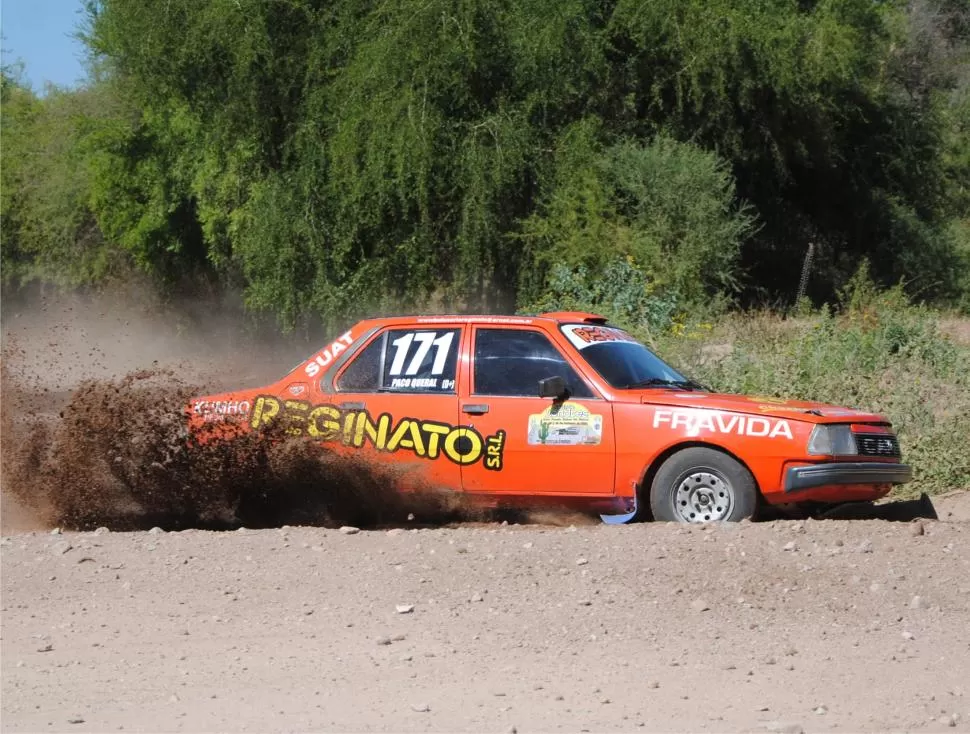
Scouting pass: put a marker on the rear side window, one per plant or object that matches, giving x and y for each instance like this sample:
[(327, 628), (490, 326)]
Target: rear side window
[(512, 361), (363, 374), (405, 360)]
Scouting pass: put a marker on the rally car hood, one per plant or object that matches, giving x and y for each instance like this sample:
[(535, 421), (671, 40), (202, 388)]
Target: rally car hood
[(770, 407)]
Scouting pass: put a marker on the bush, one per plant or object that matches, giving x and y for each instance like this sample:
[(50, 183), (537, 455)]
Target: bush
[(667, 209), (620, 292), (880, 353)]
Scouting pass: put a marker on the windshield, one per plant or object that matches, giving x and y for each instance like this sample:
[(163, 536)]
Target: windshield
[(622, 361)]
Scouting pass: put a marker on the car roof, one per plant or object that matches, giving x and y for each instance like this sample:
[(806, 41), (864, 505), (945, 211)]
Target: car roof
[(572, 317)]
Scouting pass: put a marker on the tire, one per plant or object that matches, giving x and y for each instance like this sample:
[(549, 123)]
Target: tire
[(703, 485)]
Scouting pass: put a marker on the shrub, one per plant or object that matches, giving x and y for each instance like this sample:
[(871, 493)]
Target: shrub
[(880, 353)]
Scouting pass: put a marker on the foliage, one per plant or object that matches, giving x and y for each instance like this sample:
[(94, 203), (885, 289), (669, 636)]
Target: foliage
[(333, 158), (619, 292), (880, 353), (668, 207), (48, 229)]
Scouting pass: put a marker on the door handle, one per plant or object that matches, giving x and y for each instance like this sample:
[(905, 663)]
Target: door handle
[(353, 406), (475, 409)]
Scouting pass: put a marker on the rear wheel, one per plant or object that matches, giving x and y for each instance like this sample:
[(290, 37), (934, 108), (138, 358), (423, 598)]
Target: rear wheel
[(703, 485)]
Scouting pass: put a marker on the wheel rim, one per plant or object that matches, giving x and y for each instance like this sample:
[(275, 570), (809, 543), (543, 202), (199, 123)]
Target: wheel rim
[(703, 495)]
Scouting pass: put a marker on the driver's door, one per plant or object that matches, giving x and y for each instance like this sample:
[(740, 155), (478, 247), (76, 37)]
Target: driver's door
[(534, 445)]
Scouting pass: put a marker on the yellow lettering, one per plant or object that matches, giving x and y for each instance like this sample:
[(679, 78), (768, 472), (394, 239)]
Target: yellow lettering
[(473, 446), (348, 428), (495, 444), (435, 431), (264, 411), (377, 433), (323, 422), (400, 439)]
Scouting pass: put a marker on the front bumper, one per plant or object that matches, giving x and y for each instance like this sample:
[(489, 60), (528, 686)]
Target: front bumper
[(799, 478)]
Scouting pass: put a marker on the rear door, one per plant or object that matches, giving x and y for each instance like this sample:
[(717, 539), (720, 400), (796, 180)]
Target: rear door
[(398, 403), (534, 445)]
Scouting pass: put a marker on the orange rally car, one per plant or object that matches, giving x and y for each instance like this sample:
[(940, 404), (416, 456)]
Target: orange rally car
[(566, 409)]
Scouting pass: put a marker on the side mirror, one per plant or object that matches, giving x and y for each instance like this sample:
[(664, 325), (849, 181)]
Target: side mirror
[(553, 387)]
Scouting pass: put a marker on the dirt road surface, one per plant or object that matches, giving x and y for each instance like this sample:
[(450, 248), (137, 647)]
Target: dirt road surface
[(849, 625), (784, 626)]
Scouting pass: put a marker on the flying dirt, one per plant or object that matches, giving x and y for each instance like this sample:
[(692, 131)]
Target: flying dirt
[(114, 452)]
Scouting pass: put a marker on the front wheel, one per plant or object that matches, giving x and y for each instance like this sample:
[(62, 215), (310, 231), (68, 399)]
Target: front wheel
[(703, 485)]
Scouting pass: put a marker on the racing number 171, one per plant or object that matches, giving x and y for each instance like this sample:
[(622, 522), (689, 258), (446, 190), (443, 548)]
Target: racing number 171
[(425, 340)]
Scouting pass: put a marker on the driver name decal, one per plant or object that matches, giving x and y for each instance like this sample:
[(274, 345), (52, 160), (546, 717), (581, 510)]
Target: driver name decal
[(696, 421)]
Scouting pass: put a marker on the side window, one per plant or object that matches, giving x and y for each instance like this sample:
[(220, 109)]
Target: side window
[(363, 374), (512, 361), (405, 360)]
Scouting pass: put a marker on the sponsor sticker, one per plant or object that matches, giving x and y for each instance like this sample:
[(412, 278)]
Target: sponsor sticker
[(473, 320), (582, 336), (565, 424), (213, 411), (431, 440), (694, 422), (326, 356)]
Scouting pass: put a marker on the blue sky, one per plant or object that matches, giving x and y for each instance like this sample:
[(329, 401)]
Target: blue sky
[(38, 32)]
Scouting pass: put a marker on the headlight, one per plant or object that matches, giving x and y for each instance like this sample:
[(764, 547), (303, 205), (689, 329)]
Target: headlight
[(832, 441)]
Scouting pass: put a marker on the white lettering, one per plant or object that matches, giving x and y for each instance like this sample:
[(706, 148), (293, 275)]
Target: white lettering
[(328, 355), (763, 426), (781, 429), (694, 421), (726, 427)]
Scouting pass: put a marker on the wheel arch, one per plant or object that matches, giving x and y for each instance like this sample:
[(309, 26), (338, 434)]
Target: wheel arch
[(650, 471)]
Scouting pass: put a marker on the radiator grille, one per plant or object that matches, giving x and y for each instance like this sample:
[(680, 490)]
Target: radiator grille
[(877, 444)]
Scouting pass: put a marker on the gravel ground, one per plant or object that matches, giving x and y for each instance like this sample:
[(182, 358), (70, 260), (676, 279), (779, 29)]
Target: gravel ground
[(787, 626), (858, 625)]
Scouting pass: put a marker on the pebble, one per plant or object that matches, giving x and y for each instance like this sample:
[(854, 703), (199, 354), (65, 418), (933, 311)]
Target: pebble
[(421, 708), (383, 640), (102, 531), (865, 546), (907, 635), (916, 603), (56, 531), (700, 605), (917, 529), (785, 728), (790, 546), (404, 608), (349, 530), (581, 561), (155, 531), (654, 684), (75, 720), (60, 548), (821, 710)]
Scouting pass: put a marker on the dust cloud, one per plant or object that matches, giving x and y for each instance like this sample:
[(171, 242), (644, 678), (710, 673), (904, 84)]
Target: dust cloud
[(82, 447)]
